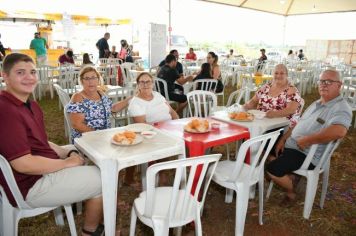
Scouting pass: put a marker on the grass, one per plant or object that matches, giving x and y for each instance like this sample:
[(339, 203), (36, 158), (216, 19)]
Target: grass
[(337, 218)]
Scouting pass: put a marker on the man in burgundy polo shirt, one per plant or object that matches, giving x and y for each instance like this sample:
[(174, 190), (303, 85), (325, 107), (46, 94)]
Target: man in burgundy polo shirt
[(46, 174)]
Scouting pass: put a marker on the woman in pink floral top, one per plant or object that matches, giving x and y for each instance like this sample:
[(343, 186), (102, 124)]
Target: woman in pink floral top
[(278, 98)]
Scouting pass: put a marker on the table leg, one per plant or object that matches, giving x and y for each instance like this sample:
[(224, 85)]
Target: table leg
[(194, 151), (109, 180)]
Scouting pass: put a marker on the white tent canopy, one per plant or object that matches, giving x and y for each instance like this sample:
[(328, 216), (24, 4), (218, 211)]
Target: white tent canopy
[(292, 7)]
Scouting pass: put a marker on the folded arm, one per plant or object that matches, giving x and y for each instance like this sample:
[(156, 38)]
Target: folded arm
[(325, 135), (39, 165)]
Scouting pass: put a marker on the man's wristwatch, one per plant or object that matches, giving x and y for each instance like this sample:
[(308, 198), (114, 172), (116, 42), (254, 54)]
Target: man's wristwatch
[(71, 151)]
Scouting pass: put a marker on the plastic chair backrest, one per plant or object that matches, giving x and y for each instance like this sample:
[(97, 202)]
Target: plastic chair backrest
[(115, 61), (117, 95), (161, 87), (205, 84), (324, 159), (11, 182), (203, 103), (63, 96), (181, 191), (43, 72), (68, 77), (235, 97), (103, 61), (257, 158)]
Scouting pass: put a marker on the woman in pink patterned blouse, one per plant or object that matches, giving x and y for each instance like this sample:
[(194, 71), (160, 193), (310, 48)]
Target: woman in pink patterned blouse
[(278, 98)]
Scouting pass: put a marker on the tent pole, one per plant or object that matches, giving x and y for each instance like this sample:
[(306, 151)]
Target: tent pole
[(169, 25)]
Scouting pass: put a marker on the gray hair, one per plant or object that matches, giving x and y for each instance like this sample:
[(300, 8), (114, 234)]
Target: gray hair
[(332, 71)]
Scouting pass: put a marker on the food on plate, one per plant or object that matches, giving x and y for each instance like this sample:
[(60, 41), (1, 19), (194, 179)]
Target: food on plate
[(241, 116), (197, 126), (126, 137)]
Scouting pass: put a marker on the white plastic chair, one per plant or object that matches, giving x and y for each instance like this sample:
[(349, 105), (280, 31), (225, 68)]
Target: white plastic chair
[(103, 61), (161, 87), (349, 93), (127, 76), (313, 176), (201, 103), (205, 84), (167, 207), (11, 215), (235, 97), (117, 95), (45, 75), (240, 176), (64, 100)]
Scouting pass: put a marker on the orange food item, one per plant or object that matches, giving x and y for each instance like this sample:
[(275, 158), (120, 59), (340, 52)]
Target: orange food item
[(240, 115), (129, 134), (126, 137), (197, 125)]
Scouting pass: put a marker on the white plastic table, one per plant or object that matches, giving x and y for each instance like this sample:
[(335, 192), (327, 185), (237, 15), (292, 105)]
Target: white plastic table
[(111, 159), (257, 126)]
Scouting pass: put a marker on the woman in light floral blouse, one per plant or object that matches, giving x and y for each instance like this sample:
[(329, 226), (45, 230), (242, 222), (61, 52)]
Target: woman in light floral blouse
[(278, 98)]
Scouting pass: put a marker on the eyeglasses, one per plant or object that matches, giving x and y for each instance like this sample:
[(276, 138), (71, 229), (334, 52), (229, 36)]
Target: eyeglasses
[(147, 82), (90, 78), (327, 82)]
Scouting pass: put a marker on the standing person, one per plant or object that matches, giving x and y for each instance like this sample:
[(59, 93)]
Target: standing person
[(39, 45), (301, 54), (67, 58), (125, 53), (2, 50), (103, 46), (44, 40), (46, 174), (325, 120), (191, 55), (174, 81)]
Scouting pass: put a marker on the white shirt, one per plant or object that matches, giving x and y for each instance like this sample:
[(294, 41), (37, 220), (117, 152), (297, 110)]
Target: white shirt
[(155, 110)]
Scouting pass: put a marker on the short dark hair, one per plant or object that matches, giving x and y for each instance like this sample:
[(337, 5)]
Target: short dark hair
[(262, 50), (170, 58), (14, 58), (173, 51)]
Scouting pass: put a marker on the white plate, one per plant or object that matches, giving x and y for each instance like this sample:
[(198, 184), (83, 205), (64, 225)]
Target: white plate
[(258, 114), (139, 127), (137, 140)]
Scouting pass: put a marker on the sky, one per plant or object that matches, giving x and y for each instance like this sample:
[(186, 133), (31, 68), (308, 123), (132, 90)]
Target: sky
[(196, 20)]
